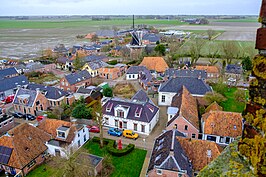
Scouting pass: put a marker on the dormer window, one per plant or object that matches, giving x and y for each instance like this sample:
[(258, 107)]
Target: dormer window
[(120, 113), (234, 127), (109, 107), (62, 132), (138, 112)]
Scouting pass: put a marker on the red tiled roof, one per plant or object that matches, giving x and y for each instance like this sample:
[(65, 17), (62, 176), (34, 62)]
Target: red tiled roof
[(209, 69), (27, 142), (50, 126), (196, 151), (154, 63), (222, 123), (261, 39), (213, 107), (263, 9)]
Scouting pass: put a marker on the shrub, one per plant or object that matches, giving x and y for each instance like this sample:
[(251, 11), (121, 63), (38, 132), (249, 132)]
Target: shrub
[(112, 62), (111, 147)]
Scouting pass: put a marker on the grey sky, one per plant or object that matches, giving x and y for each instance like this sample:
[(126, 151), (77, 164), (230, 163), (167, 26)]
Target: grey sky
[(126, 7)]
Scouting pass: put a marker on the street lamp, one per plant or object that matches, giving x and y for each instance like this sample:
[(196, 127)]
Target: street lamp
[(144, 142)]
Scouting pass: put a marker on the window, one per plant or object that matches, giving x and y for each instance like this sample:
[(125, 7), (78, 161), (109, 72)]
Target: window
[(37, 103), (234, 127), (66, 84), (61, 134), (83, 130), (120, 113), (129, 76), (163, 98), (125, 125), (133, 76), (193, 135), (135, 127), (84, 138), (116, 123), (29, 110), (0, 125), (11, 121), (78, 135), (32, 163), (186, 127), (63, 83), (106, 120), (159, 172), (78, 143), (143, 128), (5, 123)]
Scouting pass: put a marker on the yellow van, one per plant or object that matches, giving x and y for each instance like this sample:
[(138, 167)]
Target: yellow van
[(130, 134)]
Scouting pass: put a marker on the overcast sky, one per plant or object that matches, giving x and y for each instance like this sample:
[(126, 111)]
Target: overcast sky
[(128, 7)]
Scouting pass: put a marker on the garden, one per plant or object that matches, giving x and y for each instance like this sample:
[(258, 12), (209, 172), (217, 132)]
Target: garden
[(124, 90), (129, 163)]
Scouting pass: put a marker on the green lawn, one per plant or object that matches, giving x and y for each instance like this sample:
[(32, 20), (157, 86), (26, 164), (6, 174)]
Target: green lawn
[(125, 166), (246, 20), (129, 165), (231, 104), (42, 24)]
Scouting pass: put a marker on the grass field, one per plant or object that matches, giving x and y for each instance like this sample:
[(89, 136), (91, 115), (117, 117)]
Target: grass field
[(42, 24), (245, 20), (216, 44)]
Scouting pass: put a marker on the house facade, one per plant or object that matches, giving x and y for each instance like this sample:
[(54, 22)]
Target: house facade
[(167, 90), (93, 67), (221, 127), (55, 96), (67, 137), (134, 71), (186, 120), (73, 81), (213, 72), (19, 148), (6, 123), (30, 101), (112, 72), (136, 114)]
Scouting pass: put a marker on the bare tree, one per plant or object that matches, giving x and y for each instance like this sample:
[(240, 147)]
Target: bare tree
[(230, 51), (213, 51), (125, 52), (210, 34), (195, 49), (94, 38), (98, 118)]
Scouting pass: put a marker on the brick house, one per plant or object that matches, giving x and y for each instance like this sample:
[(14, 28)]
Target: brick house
[(168, 158), (55, 96), (24, 148), (112, 72), (73, 81), (213, 72), (185, 119), (29, 101)]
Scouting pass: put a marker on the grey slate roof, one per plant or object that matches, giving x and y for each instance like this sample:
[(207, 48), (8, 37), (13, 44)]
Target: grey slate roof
[(31, 93), (140, 96), (13, 82), (74, 78), (151, 37), (34, 66), (7, 72), (161, 157), (186, 73), (234, 69), (145, 76), (194, 85), (91, 58), (62, 60), (136, 69), (149, 110), (97, 64), (84, 90), (50, 92)]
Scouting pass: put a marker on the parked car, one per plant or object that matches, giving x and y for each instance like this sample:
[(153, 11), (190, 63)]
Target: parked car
[(40, 118), (130, 134), (93, 129), (29, 117), (9, 99), (18, 115), (114, 132)]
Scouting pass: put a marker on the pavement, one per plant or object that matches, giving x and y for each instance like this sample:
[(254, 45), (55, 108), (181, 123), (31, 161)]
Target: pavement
[(143, 142)]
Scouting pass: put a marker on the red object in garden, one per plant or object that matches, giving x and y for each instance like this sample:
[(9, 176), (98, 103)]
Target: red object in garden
[(119, 145)]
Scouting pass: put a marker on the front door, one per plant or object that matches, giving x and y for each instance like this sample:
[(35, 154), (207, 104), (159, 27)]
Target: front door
[(120, 124)]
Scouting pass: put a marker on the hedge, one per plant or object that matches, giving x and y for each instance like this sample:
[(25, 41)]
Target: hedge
[(111, 147)]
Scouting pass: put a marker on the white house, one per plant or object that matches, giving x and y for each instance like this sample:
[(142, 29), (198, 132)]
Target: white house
[(133, 72), (138, 114), (67, 137), (197, 87)]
